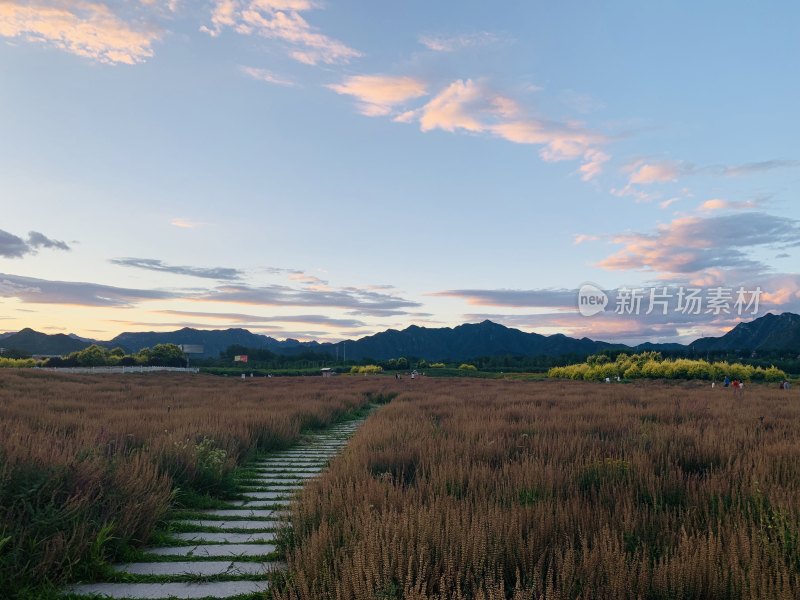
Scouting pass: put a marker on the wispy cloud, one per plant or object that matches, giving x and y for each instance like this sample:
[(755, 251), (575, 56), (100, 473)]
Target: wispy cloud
[(593, 165), (471, 106), (648, 172), (185, 223), (150, 264), (88, 29), (757, 167), (243, 318), (364, 301), (715, 204), (547, 298), (280, 20), (13, 246), (691, 244), (266, 76), (379, 95), (42, 291), (452, 43), (645, 173), (580, 238)]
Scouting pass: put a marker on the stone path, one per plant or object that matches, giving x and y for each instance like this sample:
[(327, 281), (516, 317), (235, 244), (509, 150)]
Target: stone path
[(227, 552)]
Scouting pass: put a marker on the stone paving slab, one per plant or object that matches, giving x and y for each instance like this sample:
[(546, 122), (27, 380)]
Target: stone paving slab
[(286, 489), (265, 464), (260, 470), (254, 503), (289, 469), (307, 456), (265, 476), (250, 513), (281, 481), (295, 459), (203, 550), (183, 591), (225, 538), (287, 492), (200, 568), (243, 525), (277, 496)]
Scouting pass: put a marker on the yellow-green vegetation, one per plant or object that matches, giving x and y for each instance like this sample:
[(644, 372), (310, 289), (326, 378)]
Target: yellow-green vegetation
[(467, 367), (89, 464), (17, 363), (366, 369), (651, 365), (438, 365), (467, 489), (162, 355)]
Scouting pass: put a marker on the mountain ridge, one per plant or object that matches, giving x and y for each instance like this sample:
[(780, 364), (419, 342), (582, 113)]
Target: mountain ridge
[(469, 340)]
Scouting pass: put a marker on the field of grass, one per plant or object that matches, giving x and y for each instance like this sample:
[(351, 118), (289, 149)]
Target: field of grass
[(90, 464), (477, 489)]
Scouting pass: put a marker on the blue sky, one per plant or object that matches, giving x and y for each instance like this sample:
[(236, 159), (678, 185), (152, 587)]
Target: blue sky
[(329, 170)]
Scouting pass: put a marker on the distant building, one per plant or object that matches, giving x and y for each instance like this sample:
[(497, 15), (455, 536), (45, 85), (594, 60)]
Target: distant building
[(327, 372), (191, 348)]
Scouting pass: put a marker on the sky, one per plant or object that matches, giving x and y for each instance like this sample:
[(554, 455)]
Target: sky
[(328, 170)]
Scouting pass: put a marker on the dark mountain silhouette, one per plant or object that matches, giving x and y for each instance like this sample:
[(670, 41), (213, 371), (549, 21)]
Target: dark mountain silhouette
[(770, 332), (213, 341), (463, 342), (33, 342)]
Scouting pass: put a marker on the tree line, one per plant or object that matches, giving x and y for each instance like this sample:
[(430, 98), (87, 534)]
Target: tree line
[(652, 365)]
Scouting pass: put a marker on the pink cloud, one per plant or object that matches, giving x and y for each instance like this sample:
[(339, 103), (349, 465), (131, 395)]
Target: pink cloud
[(378, 95), (86, 29), (456, 108), (696, 245), (657, 172), (452, 43), (580, 238), (280, 20), (471, 106), (595, 159), (720, 204), (266, 76)]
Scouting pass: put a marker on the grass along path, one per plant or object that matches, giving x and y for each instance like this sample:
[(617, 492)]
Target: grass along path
[(228, 550)]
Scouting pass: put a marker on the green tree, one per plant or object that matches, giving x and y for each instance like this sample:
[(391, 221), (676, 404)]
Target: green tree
[(166, 355), (93, 356)]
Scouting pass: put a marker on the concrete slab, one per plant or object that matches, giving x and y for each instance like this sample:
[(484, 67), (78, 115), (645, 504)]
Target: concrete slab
[(227, 524), (286, 489), (280, 481), (201, 568), (182, 591), (281, 464), (307, 456), (255, 503), (289, 469), (225, 538), (203, 550), (245, 513), (268, 496)]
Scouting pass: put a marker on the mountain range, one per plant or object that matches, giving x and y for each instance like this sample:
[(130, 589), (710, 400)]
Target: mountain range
[(768, 333)]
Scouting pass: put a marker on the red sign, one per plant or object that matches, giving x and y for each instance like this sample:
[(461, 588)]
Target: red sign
[(240, 358)]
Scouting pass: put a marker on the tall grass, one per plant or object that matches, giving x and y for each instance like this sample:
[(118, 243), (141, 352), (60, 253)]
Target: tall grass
[(471, 489), (89, 464)]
